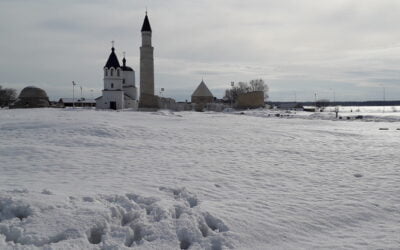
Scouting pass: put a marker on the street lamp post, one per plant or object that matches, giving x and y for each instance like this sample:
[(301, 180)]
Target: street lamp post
[(315, 100), (384, 97), (73, 94), (231, 93), (81, 95), (334, 96)]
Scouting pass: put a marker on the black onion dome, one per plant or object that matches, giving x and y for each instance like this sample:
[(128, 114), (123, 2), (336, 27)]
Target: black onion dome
[(146, 24), (126, 68), (112, 60)]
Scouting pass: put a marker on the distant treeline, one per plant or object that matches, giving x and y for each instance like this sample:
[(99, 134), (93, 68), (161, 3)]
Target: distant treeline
[(350, 103)]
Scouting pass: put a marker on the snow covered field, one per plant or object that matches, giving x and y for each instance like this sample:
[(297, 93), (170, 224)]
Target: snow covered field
[(368, 113), (85, 179)]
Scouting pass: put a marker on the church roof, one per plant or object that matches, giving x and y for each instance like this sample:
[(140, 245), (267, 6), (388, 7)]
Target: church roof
[(146, 24), (124, 67), (202, 90), (112, 60)]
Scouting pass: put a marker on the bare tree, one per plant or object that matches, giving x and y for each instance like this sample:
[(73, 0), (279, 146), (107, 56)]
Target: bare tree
[(244, 87), (7, 96), (259, 85)]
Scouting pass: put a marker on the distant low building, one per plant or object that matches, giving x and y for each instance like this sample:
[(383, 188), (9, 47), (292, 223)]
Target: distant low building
[(202, 94), (201, 97), (250, 100), (290, 106), (70, 102), (310, 108), (32, 97)]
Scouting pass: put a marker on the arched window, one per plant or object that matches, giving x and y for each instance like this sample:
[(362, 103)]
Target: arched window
[(117, 72), (123, 81), (105, 72), (111, 72), (112, 85)]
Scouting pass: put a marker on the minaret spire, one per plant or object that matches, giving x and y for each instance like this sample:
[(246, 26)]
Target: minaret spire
[(146, 24), (147, 97)]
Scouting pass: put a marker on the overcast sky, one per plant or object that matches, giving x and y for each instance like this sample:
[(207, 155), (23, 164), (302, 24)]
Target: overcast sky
[(347, 47)]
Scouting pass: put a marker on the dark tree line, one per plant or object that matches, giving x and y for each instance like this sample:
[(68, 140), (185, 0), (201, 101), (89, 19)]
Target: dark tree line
[(244, 87), (7, 96)]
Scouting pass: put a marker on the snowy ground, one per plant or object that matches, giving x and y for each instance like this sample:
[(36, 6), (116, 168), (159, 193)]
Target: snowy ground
[(368, 113), (88, 179)]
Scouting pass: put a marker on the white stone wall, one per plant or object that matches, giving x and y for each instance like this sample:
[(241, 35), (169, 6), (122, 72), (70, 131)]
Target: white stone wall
[(129, 85), (113, 82), (129, 77), (111, 96), (131, 104)]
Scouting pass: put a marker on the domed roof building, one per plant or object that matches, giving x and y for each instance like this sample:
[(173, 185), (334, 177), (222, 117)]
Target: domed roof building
[(32, 97)]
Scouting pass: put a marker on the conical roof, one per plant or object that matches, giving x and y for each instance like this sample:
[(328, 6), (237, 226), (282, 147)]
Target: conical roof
[(202, 90), (112, 60), (146, 24)]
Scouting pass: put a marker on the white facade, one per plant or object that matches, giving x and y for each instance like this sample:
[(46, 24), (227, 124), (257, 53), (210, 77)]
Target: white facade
[(119, 90), (128, 84)]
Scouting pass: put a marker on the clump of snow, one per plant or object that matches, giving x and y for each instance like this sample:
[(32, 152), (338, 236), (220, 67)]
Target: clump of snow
[(10, 209), (46, 191), (113, 221), (182, 194)]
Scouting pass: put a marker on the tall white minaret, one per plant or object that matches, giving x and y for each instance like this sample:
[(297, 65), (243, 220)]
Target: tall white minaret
[(146, 67)]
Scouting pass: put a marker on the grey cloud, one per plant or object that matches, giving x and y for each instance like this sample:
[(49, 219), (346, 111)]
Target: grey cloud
[(301, 46)]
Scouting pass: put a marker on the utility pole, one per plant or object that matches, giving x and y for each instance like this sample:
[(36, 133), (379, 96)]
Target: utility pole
[(383, 93), (334, 96), (73, 94), (315, 99), (231, 95), (81, 95), (384, 98)]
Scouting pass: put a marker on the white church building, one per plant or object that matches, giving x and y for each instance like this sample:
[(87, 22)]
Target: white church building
[(119, 90)]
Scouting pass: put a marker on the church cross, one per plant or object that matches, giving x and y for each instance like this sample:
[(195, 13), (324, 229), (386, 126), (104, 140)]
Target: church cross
[(112, 43)]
